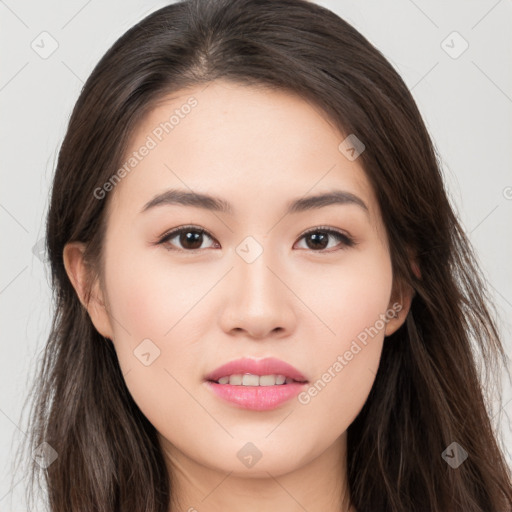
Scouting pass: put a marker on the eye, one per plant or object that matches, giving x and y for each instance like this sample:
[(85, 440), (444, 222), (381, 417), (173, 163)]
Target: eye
[(191, 239), (319, 238)]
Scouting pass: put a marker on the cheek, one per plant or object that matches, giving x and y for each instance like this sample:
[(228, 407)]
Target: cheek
[(332, 401), (158, 319), (354, 306), (152, 300), (156, 333), (351, 298)]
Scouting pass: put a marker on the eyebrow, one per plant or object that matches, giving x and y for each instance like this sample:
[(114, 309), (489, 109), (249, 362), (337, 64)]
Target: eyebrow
[(208, 202)]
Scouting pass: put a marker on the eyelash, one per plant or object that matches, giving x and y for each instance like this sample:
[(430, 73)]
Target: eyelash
[(346, 240)]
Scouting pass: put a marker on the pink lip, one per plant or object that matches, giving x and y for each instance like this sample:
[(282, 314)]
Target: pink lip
[(267, 366), (256, 398)]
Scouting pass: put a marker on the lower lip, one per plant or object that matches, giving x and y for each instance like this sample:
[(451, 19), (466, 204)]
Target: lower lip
[(256, 398)]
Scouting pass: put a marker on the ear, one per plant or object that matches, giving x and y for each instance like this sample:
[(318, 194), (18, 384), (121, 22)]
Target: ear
[(77, 271), (400, 304)]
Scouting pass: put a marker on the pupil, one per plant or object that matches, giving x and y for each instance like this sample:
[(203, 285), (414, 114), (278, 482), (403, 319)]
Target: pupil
[(322, 238), (190, 239)]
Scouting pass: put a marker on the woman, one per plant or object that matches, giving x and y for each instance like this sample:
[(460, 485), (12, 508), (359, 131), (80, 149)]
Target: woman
[(263, 297)]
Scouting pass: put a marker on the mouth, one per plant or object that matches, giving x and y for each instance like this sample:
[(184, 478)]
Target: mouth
[(258, 385), (249, 379), (256, 372)]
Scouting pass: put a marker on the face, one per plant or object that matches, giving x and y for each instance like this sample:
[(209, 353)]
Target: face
[(309, 285)]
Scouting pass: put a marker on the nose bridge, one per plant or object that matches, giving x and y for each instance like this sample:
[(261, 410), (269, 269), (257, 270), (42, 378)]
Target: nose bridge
[(258, 303), (256, 258)]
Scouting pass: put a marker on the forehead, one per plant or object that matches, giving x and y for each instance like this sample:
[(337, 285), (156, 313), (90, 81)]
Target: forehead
[(252, 145)]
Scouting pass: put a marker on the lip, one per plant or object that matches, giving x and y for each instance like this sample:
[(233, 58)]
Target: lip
[(256, 398), (267, 366)]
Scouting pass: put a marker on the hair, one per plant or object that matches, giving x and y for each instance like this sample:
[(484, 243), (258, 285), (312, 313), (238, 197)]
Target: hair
[(428, 392)]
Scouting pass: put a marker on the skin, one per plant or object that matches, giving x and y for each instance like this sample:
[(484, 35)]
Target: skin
[(257, 149)]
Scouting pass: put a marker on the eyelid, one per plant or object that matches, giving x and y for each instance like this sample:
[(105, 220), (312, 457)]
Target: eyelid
[(344, 238), (176, 231)]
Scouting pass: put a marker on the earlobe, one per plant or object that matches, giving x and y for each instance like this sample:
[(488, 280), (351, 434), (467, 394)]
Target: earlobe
[(77, 271)]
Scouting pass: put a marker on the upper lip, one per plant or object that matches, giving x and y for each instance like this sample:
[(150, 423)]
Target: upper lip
[(267, 366)]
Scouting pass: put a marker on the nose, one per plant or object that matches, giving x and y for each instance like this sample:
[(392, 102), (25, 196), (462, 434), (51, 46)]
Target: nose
[(259, 303)]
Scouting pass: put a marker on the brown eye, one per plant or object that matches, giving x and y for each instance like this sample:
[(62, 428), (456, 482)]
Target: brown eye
[(318, 239), (189, 238)]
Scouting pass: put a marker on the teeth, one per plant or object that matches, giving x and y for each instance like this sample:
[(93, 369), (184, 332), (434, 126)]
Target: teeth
[(280, 379), (235, 380), (255, 380), (250, 380)]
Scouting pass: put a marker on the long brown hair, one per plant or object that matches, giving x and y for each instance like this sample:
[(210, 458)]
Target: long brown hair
[(428, 393)]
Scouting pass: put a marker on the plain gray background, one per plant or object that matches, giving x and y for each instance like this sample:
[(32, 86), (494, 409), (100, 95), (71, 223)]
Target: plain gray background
[(464, 94)]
